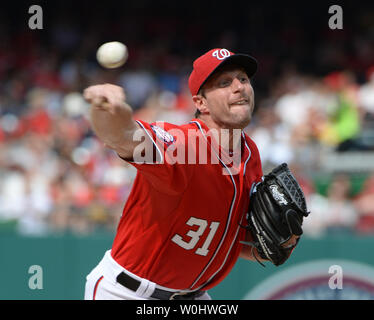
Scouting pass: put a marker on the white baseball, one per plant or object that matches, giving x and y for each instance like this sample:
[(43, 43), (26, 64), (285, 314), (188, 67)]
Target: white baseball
[(112, 54)]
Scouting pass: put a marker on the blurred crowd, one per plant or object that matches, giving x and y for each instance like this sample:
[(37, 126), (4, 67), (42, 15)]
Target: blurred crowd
[(57, 177)]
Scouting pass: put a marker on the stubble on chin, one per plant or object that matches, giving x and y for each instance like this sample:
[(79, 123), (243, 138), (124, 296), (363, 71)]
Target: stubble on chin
[(242, 119)]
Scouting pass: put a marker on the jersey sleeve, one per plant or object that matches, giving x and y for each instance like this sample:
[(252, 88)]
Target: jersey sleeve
[(160, 156)]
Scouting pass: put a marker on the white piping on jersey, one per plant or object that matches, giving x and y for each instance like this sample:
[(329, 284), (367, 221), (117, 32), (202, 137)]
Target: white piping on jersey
[(224, 261), (154, 142), (237, 230), (250, 153), (254, 188), (227, 224)]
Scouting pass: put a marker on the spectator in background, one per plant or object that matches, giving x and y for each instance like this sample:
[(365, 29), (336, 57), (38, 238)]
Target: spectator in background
[(343, 115), (341, 213), (364, 202), (271, 136), (47, 150), (318, 204), (366, 104), (366, 96), (139, 84), (334, 213)]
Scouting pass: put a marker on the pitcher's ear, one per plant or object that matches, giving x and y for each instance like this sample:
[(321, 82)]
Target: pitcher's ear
[(200, 103)]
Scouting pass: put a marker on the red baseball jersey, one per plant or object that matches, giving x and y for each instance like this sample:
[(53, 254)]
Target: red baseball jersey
[(180, 226)]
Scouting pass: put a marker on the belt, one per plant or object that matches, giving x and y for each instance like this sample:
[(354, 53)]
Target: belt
[(133, 284)]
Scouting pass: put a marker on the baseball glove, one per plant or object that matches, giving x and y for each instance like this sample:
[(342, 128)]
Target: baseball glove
[(277, 209)]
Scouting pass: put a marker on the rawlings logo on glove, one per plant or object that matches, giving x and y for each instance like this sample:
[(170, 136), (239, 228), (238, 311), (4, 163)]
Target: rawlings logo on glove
[(276, 213), (277, 195)]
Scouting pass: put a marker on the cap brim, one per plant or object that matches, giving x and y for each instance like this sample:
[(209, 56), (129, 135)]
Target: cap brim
[(246, 61), (242, 60)]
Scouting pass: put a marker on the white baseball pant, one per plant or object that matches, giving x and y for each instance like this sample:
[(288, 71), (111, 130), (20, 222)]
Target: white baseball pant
[(101, 284)]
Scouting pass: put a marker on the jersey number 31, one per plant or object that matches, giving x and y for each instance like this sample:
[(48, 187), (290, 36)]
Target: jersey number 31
[(195, 236)]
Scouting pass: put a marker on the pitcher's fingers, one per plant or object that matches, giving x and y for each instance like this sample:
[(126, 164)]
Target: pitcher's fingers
[(115, 96), (88, 94), (98, 102)]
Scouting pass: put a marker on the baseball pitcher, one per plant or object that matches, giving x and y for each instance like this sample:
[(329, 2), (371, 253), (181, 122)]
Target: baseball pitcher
[(199, 200)]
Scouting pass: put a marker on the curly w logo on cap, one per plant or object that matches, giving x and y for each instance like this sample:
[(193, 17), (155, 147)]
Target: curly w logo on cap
[(221, 54)]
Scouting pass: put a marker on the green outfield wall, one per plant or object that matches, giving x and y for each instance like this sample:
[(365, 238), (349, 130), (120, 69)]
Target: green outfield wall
[(312, 272)]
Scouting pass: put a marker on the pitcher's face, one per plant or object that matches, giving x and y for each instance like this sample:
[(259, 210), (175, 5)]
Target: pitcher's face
[(229, 98)]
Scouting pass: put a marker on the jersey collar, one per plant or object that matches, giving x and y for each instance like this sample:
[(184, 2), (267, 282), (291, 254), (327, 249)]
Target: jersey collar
[(245, 151)]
